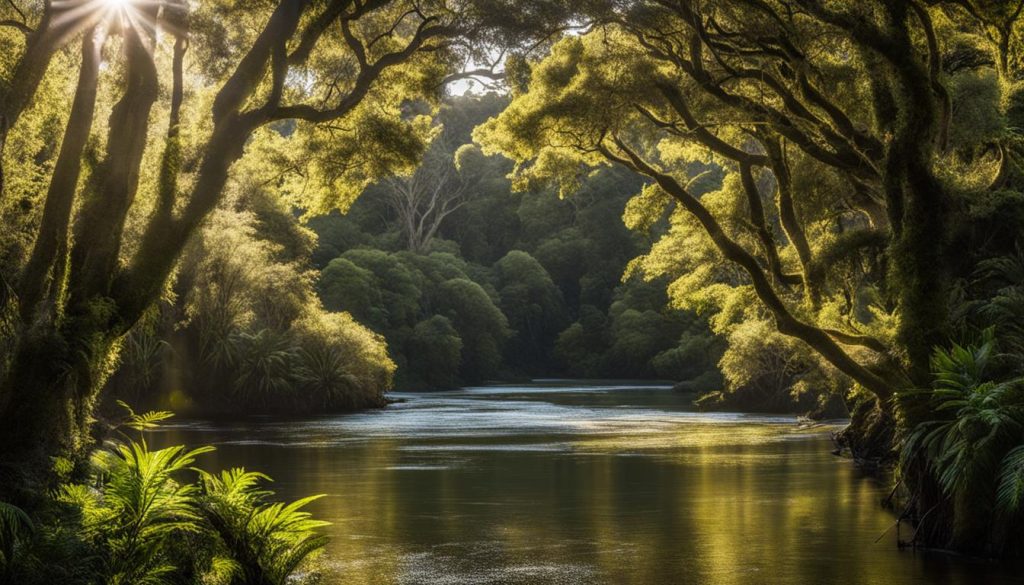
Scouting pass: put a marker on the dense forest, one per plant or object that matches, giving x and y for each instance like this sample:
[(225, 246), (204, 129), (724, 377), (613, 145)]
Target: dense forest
[(227, 208), (465, 280), (540, 291)]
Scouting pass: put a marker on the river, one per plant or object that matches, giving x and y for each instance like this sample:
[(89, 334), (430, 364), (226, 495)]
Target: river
[(565, 483)]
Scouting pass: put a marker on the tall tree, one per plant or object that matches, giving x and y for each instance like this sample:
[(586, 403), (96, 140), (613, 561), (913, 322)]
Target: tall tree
[(333, 75), (423, 200), (744, 81)]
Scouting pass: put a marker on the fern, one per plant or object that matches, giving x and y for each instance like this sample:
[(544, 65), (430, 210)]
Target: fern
[(140, 509), (141, 524), (145, 421), (268, 541)]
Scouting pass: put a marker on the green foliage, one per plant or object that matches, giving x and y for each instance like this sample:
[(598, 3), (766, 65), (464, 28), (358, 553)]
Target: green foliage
[(341, 363), (973, 442), (995, 299), (344, 286), (193, 169), (592, 87), (268, 542), (435, 353), (481, 326), (393, 288), (442, 326), (138, 509), (143, 355), (263, 362), (137, 520), (247, 327), (143, 421), (15, 527), (534, 309), (542, 260)]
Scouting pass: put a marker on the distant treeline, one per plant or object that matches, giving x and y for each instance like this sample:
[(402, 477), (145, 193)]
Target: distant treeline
[(507, 285), (446, 277)]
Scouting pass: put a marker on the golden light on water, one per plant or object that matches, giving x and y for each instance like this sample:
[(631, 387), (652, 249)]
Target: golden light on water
[(503, 487)]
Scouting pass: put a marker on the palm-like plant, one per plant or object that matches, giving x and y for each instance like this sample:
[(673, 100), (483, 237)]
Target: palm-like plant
[(137, 522), (268, 541), (1001, 284), (975, 448), (323, 374), (142, 354), (136, 509), (264, 365), (15, 526)]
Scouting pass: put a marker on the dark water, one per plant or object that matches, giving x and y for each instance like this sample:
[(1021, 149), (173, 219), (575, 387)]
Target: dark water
[(561, 484)]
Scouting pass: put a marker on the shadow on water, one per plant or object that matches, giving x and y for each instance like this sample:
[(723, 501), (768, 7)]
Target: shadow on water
[(567, 483)]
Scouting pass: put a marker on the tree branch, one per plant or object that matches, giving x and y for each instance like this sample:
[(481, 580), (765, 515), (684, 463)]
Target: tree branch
[(786, 323)]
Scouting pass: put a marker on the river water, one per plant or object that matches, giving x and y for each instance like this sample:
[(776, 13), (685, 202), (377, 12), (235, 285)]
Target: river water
[(565, 483)]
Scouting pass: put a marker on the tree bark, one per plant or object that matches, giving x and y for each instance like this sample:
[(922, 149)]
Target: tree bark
[(100, 224), (790, 222), (785, 321), (53, 231), (46, 406), (40, 46)]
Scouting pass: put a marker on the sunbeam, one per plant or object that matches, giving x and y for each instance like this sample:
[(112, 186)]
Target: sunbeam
[(72, 16)]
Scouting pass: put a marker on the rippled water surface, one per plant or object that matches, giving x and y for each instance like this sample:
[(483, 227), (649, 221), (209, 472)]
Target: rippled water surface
[(562, 483)]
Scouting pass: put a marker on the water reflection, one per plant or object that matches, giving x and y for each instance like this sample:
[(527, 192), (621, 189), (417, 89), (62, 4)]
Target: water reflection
[(569, 484)]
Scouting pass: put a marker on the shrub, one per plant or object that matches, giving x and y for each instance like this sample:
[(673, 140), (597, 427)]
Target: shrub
[(136, 520), (973, 445)]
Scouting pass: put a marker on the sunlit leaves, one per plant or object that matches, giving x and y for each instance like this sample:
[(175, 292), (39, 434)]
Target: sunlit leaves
[(268, 541), (370, 144), (645, 209), (584, 90)]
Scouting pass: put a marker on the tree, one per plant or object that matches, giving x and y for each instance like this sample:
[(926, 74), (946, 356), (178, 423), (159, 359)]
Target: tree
[(344, 286), (533, 306), (481, 326), (740, 82), (435, 353), (104, 251), (423, 200), (850, 180)]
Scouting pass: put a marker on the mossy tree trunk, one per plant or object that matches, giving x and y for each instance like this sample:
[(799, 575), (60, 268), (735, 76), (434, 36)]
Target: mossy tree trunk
[(46, 408)]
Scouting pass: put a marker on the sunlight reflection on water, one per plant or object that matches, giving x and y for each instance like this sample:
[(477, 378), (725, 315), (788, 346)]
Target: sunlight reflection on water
[(563, 484)]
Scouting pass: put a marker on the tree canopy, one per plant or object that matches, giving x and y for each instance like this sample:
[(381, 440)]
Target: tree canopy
[(870, 159)]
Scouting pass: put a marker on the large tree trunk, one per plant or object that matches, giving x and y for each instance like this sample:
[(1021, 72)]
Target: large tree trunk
[(100, 224), (46, 407), (52, 237)]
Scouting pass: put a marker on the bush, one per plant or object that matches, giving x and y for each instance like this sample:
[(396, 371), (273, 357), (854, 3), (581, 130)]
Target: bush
[(249, 333), (136, 520), (974, 450)]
